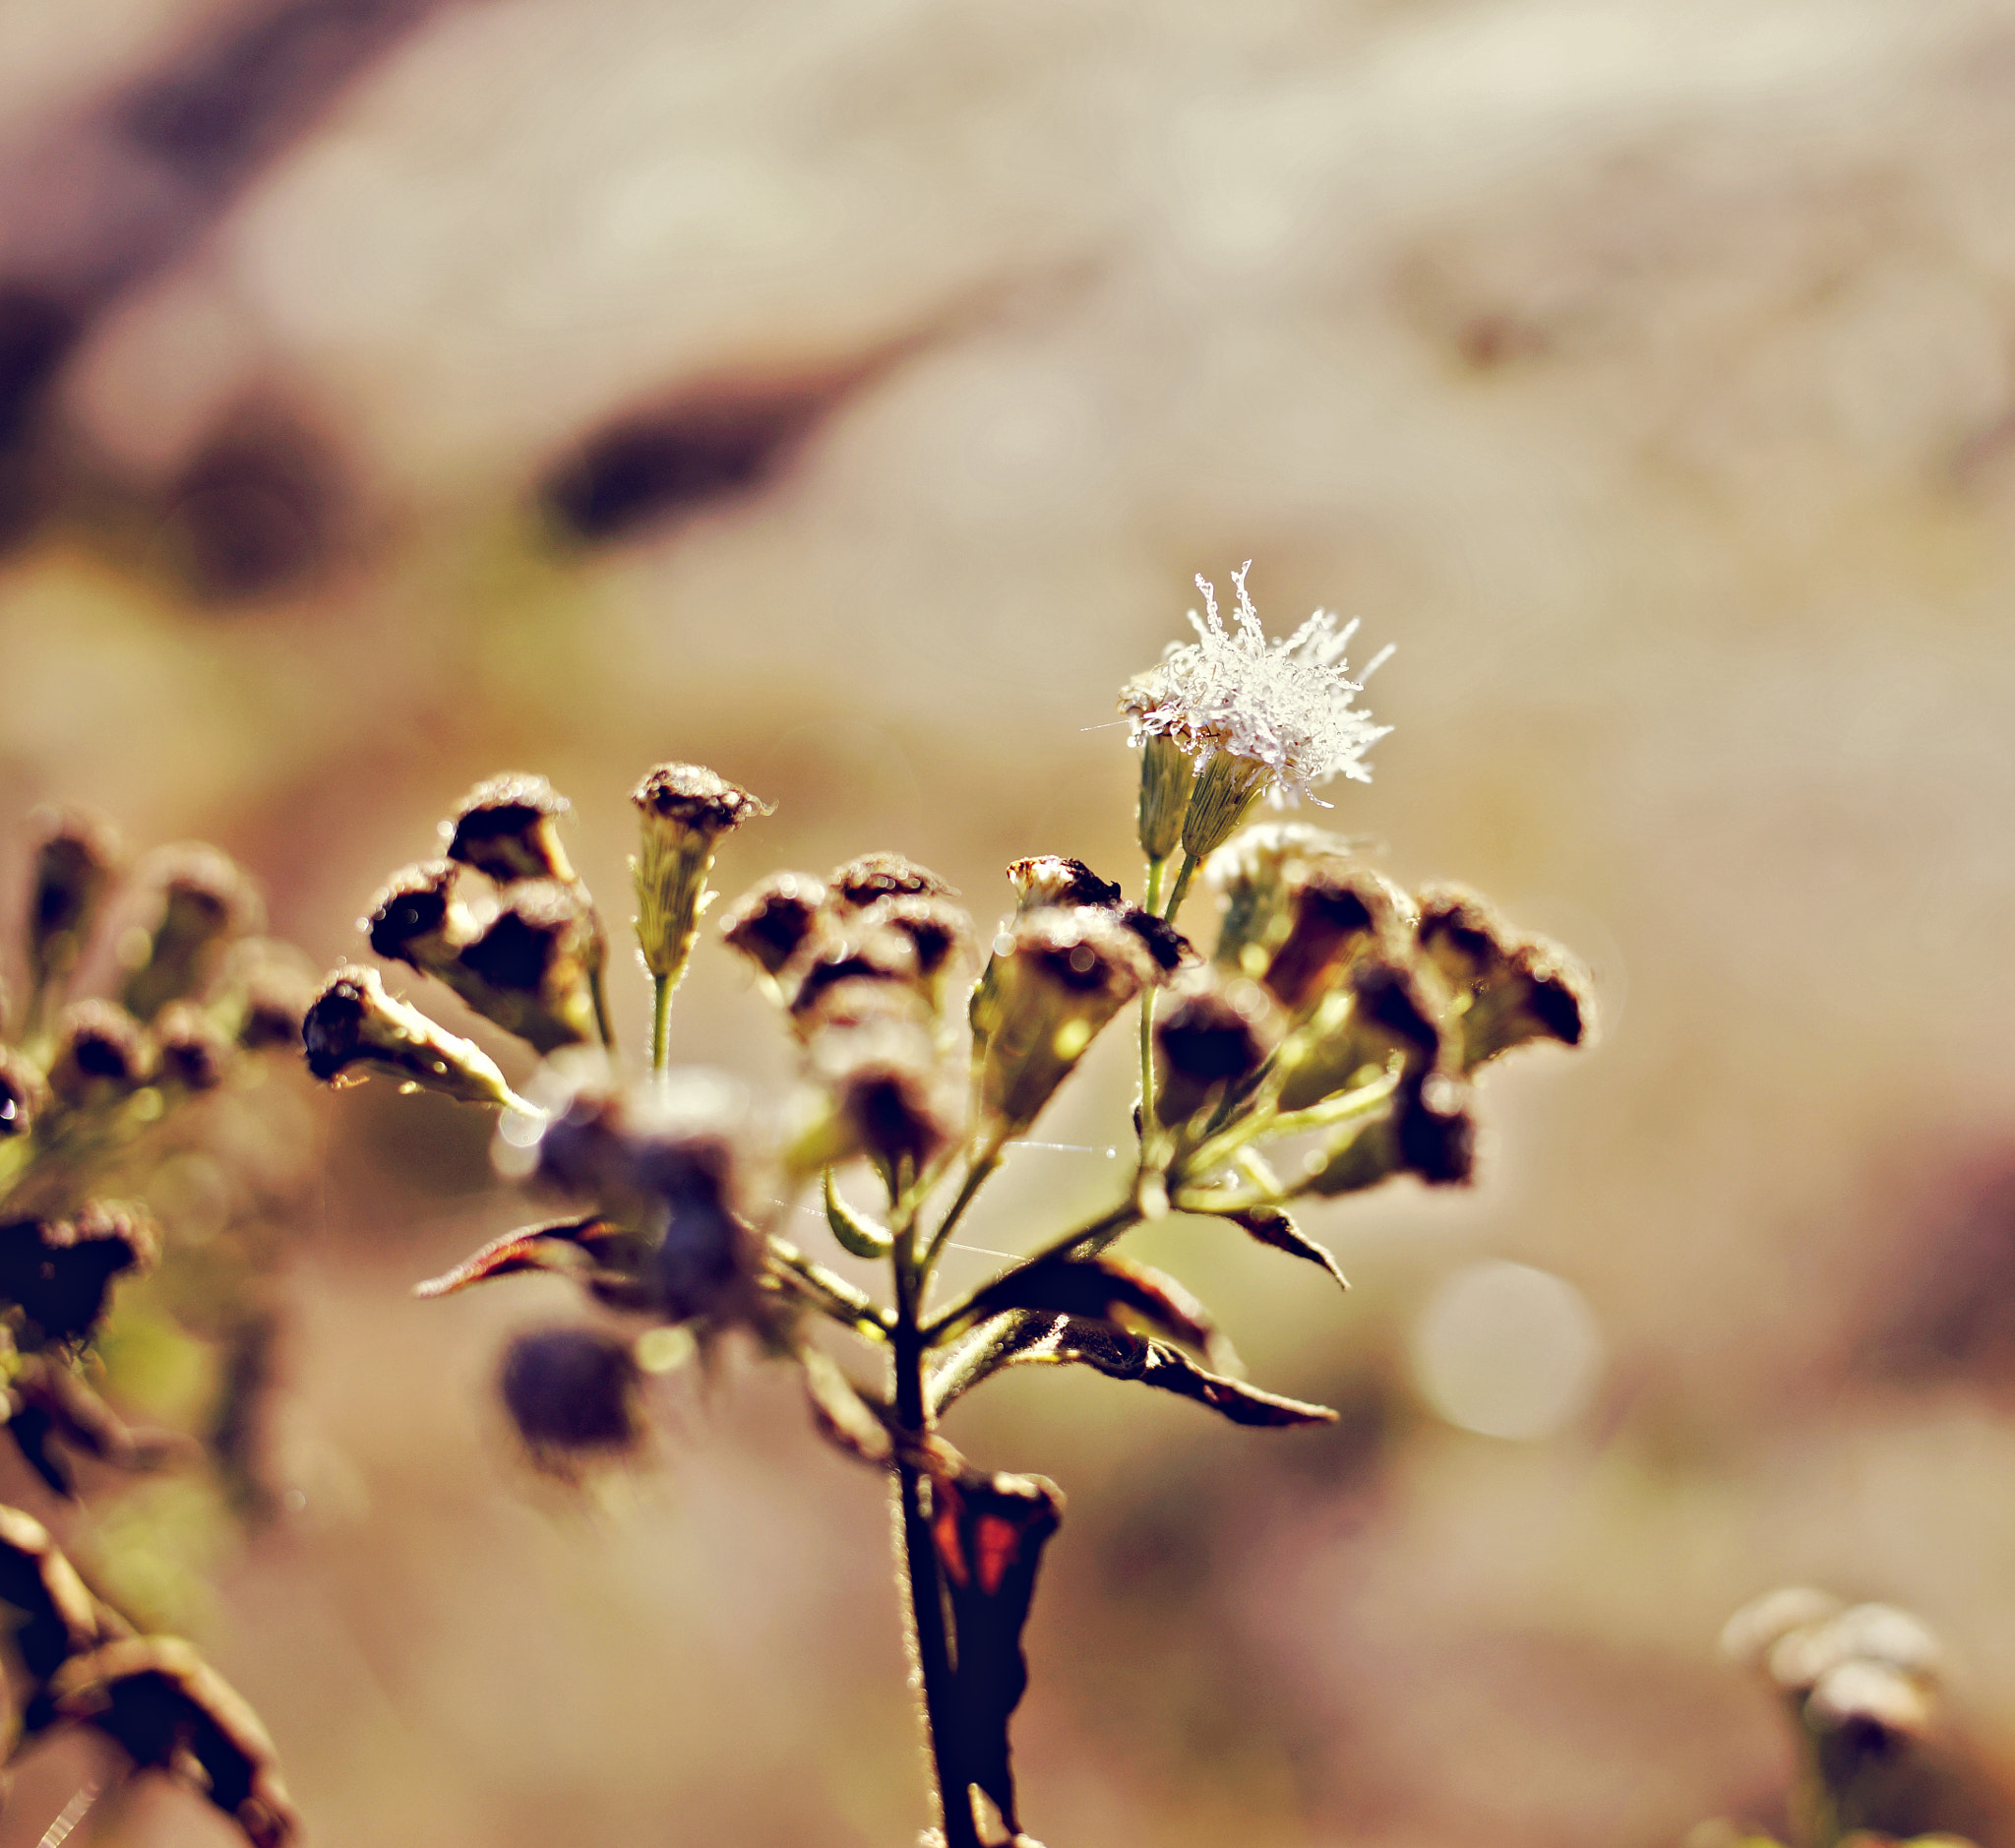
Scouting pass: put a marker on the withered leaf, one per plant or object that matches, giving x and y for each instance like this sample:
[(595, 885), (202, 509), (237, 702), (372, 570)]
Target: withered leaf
[(170, 1711), (989, 1532), (53, 1615), (1101, 1290), (1269, 1225), (841, 1411), (550, 1247), (1070, 1340)]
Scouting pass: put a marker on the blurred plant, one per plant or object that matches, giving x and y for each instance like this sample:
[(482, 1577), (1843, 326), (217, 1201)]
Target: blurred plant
[(110, 1108), (1878, 1761), (1328, 1045)]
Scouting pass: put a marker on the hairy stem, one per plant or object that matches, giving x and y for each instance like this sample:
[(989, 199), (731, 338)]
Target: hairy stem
[(928, 1632), (1181, 890)]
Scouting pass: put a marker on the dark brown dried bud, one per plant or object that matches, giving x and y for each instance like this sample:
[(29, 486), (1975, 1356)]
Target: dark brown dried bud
[(1426, 1129), (170, 1711), (672, 1186), (1508, 990), (413, 918), (1211, 1038), (1384, 1013), (686, 809), (839, 960), (531, 970), (1334, 917), (573, 1392), (1255, 872), (1049, 878), (58, 1272), (938, 932), (1169, 947), (269, 988), (772, 922), (76, 859), (205, 899), (194, 1051), (101, 1055), (886, 876), (355, 1028), (882, 1079), (24, 1092), (508, 827)]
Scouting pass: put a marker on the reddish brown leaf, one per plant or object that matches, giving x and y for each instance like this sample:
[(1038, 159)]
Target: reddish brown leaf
[(549, 1247)]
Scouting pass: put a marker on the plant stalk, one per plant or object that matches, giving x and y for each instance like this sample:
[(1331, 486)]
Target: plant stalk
[(660, 1019), (929, 1631)]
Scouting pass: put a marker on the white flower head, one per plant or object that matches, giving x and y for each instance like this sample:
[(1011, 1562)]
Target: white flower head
[(1286, 704)]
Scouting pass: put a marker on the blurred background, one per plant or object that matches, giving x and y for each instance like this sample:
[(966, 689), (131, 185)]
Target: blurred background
[(844, 393)]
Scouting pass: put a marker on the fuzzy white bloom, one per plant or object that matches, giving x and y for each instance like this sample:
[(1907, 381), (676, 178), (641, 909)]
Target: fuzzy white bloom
[(1286, 704)]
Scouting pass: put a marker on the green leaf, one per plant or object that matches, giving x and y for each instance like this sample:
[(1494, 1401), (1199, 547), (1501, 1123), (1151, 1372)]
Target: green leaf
[(855, 1233)]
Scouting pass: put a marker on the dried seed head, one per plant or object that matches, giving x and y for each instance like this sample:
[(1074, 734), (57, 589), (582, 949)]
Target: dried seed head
[(194, 1051), (205, 899), (686, 809), (840, 958), (874, 876), (1049, 878), (59, 1273), (355, 1028), (1425, 1130), (573, 1393), (77, 857), (938, 932), (1508, 990), (24, 1092), (1168, 947), (1255, 870), (1384, 1013), (509, 828), (772, 922), (416, 919), (101, 1055), (882, 1094), (1057, 976), (530, 970)]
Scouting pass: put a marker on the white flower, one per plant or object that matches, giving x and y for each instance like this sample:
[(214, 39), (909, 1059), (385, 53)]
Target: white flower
[(1286, 704)]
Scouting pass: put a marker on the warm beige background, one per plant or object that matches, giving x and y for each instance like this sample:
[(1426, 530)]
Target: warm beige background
[(1641, 367)]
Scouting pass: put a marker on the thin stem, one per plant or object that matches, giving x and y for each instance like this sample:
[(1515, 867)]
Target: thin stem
[(660, 1018), (1150, 903), (977, 1174), (604, 1023), (1184, 873), (831, 1294), (1086, 1241), (929, 1631)]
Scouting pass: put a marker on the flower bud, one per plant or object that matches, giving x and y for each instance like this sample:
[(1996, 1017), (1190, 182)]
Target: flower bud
[(859, 882), (59, 1273), (686, 809), (75, 861), (1255, 872), (1226, 790), (530, 970), (1508, 990), (1213, 1037), (267, 988), (355, 1028), (24, 1093), (826, 984), (1058, 975), (1334, 917), (509, 828), (1426, 1129), (205, 899), (194, 1051), (573, 1393), (1167, 783), (416, 918), (1386, 1014), (772, 922), (881, 1087), (101, 1055)]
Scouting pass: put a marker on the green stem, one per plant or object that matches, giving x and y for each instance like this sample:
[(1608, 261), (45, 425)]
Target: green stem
[(1086, 1241), (929, 1631), (831, 1294), (1184, 873), (660, 1018), (977, 1175)]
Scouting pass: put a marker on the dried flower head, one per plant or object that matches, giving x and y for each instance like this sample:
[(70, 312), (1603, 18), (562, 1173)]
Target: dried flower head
[(886, 876), (1285, 705), (101, 1054), (508, 827), (76, 857), (205, 898), (686, 809), (770, 922), (355, 1028)]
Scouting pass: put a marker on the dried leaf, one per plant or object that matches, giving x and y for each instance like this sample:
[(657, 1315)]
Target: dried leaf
[(1271, 1226), (49, 1400), (55, 1616), (173, 1712), (855, 1233), (1071, 1340), (989, 1532), (841, 1411), (549, 1247), (1101, 1289)]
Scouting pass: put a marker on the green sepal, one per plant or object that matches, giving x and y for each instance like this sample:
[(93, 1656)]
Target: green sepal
[(862, 1237)]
